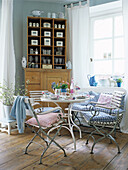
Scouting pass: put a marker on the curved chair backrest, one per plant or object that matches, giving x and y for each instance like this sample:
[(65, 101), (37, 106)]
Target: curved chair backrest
[(118, 99), (35, 94)]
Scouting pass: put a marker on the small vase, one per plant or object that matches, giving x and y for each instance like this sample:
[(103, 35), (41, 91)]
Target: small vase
[(57, 92), (118, 84), (63, 90)]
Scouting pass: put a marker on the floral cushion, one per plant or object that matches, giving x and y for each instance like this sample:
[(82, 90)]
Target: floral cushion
[(45, 120), (105, 99)]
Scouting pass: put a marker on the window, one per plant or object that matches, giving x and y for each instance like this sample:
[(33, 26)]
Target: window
[(107, 45)]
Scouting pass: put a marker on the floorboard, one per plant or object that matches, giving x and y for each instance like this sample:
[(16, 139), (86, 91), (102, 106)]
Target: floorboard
[(105, 155)]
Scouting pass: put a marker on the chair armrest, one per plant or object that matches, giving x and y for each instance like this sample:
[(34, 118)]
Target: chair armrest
[(106, 107), (98, 103), (51, 110)]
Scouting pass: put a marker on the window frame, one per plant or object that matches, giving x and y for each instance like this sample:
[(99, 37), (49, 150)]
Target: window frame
[(92, 40)]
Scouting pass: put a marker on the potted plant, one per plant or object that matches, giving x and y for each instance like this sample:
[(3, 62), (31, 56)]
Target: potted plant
[(119, 81), (64, 86), (7, 98)]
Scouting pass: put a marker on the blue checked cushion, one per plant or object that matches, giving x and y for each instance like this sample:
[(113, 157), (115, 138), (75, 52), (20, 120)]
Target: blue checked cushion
[(113, 111), (96, 97), (85, 105), (79, 107), (100, 119)]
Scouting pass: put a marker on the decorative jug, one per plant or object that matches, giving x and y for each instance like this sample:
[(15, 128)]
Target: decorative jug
[(61, 15), (92, 81)]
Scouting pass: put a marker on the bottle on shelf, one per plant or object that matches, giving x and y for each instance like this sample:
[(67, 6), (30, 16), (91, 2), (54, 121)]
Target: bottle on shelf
[(72, 86), (30, 24), (36, 51), (31, 51)]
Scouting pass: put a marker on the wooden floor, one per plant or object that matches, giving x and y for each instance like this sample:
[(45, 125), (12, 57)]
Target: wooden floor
[(105, 155)]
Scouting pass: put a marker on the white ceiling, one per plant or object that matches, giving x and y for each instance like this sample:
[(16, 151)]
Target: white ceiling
[(55, 1)]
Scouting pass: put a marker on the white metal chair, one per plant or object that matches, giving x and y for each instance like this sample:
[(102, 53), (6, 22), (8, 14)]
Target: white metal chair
[(101, 116), (38, 122)]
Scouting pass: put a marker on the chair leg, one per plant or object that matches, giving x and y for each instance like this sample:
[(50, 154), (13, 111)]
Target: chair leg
[(30, 143), (36, 134), (52, 140), (111, 138), (95, 144), (90, 136)]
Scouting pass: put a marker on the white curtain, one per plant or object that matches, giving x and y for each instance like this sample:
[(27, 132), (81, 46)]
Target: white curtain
[(124, 124), (78, 39), (7, 56)]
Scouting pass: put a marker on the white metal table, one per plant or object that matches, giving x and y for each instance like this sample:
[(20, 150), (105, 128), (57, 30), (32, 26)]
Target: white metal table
[(70, 122)]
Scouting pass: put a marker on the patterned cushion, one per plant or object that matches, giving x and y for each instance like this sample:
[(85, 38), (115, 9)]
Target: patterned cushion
[(101, 109), (85, 106), (81, 107), (96, 96), (45, 120), (100, 118), (105, 98), (113, 111)]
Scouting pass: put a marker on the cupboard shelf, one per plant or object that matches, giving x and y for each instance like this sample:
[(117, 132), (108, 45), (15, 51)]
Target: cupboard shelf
[(34, 45), (34, 27), (34, 54), (46, 28), (46, 55), (59, 37), (31, 36), (59, 55)]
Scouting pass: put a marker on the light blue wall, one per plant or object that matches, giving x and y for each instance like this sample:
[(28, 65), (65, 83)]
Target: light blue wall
[(18, 37)]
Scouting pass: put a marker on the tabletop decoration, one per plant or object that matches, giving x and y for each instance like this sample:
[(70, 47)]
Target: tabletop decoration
[(60, 87), (64, 86)]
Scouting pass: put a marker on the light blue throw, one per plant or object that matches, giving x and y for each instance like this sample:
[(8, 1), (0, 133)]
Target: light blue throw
[(18, 111)]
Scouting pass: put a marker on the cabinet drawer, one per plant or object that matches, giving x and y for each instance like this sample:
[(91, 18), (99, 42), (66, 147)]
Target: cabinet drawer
[(32, 77)]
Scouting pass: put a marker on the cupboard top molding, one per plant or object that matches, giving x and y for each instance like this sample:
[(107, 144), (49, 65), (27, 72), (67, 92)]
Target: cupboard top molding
[(61, 19), (46, 70)]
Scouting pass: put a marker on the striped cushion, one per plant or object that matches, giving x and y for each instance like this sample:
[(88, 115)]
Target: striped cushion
[(79, 107), (113, 111), (101, 118)]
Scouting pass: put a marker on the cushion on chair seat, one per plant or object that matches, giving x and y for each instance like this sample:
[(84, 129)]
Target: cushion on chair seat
[(102, 118), (79, 107), (105, 110), (45, 120)]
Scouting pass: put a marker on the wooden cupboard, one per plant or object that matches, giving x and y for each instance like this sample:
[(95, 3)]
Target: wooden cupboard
[(41, 79)]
